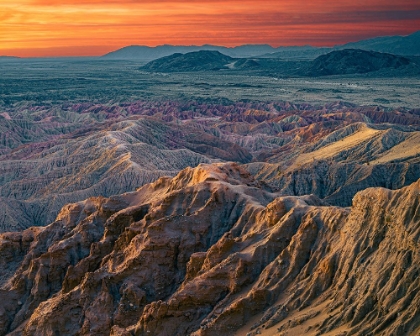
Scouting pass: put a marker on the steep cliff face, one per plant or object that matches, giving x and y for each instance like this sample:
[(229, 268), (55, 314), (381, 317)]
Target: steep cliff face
[(211, 252)]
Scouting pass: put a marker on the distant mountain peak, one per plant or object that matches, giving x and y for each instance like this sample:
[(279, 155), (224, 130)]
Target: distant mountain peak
[(150, 53), (8, 57), (400, 45)]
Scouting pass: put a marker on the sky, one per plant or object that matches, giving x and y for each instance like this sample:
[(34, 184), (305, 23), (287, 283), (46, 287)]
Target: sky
[(38, 28)]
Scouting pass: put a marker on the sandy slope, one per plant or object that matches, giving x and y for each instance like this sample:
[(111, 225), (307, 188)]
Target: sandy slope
[(331, 150)]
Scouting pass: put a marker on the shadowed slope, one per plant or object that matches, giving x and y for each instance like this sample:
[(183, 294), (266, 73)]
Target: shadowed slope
[(354, 61)]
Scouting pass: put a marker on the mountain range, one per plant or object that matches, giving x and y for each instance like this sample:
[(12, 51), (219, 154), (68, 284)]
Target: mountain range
[(338, 62), (399, 45), (150, 53)]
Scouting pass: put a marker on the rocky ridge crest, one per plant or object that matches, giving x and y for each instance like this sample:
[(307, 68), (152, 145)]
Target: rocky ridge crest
[(211, 251)]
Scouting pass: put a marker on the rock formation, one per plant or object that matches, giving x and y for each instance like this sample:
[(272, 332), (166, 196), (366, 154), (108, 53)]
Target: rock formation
[(214, 252)]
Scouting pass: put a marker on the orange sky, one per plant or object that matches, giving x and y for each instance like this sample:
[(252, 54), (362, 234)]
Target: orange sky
[(93, 27)]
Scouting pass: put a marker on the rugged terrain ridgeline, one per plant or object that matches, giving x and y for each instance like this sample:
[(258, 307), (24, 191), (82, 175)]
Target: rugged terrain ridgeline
[(337, 62), (212, 252), (399, 45), (83, 150)]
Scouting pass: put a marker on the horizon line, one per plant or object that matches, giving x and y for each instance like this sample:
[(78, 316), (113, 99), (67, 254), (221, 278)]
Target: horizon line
[(182, 45)]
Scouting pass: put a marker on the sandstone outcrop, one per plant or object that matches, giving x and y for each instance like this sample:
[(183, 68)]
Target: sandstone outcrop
[(212, 251)]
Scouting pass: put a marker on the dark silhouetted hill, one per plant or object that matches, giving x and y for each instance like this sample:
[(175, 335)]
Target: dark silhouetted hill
[(150, 53), (354, 61), (399, 45), (194, 61)]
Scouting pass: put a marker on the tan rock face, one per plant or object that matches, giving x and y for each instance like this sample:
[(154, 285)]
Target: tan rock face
[(211, 252)]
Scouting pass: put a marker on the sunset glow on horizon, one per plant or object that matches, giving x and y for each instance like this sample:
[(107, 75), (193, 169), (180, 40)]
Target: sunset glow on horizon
[(37, 28)]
